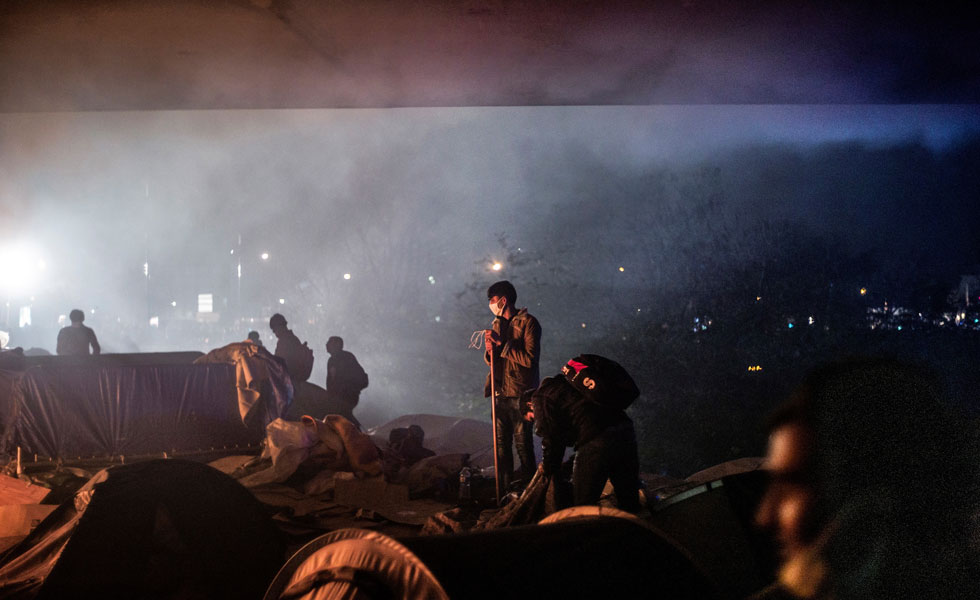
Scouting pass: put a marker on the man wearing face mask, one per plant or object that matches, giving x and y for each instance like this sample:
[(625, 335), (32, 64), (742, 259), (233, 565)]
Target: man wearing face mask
[(514, 343)]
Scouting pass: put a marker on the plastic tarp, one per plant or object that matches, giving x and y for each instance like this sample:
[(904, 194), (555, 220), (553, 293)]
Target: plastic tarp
[(261, 382), (74, 409)]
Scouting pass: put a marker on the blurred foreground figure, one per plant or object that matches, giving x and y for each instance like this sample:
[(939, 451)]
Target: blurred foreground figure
[(872, 488), (75, 339), (584, 407), (513, 350), (253, 336), (345, 380), (297, 355)]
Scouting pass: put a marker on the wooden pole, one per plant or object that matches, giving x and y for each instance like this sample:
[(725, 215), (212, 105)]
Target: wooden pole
[(493, 418)]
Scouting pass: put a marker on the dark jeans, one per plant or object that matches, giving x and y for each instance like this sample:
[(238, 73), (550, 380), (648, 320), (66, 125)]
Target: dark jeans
[(611, 455), (512, 430)]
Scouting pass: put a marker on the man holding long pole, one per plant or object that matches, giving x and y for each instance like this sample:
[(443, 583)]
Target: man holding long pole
[(513, 349)]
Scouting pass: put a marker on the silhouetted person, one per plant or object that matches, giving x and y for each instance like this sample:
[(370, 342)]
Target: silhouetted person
[(514, 341), (253, 336), (296, 354), (345, 379), (873, 487), (76, 339)]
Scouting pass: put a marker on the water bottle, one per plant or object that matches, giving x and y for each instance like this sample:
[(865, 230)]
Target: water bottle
[(464, 484)]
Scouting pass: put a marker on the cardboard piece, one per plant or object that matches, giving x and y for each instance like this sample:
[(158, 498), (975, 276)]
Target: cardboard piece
[(18, 491), (18, 520)]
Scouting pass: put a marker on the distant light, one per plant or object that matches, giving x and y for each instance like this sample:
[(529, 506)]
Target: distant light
[(976, 320), (621, 269), (92, 311), (899, 327), (438, 318), (638, 310), (282, 301), (864, 291), (239, 271), (755, 368), (232, 250), (432, 280), (583, 325), (790, 325), (25, 316), (173, 303), (154, 321), (346, 275), (264, 256), (497, 266), (205, 303), (810, 320), (146, 269), (758, 298), (62, 319)]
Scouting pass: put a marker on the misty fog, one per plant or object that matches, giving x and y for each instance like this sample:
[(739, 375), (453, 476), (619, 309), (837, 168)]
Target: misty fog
[(381, 225)]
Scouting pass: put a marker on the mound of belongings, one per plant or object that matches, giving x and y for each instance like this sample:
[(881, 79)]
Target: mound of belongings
[(326, 446)]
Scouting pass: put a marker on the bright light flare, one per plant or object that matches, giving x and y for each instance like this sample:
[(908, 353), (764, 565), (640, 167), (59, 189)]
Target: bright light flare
[(346, 275), (496, 266), (20, 268), (264, 256)]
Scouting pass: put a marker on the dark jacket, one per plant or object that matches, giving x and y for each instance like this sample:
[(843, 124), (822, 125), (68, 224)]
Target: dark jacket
[(75, 341), (564, 417), (517, 368), (345, 377)]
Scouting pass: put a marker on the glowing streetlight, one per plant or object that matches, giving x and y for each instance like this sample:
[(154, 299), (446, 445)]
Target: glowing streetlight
[(346, 275), (622, 269), (264, 256), (864, 291)]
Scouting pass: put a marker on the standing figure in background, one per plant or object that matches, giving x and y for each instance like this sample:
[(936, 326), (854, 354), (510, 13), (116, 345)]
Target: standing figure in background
[(253, 336), (75, 339), (345, 380), (297, 355), (513, 343)]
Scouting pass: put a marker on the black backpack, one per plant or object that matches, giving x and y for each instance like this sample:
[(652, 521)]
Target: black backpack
[(601, 380)]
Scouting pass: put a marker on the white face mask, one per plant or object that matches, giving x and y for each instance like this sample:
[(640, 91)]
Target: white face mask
[(497, 308)]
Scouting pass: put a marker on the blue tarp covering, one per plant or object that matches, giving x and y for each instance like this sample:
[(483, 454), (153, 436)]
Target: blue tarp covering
[(107, 406)]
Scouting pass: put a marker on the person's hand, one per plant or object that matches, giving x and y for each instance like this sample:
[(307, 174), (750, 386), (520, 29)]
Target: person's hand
[(490, 340)]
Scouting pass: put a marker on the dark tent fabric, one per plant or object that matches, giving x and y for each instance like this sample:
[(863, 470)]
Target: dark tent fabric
[(157, 529), (605, 557), (713, 522), (68, 409)]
